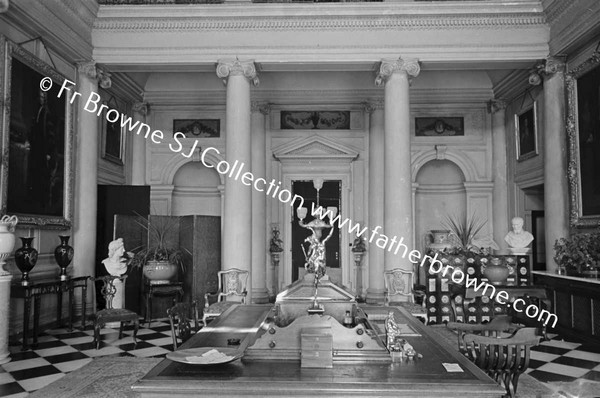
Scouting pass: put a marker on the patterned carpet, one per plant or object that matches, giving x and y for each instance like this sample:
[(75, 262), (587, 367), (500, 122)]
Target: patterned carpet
[(103, 377)]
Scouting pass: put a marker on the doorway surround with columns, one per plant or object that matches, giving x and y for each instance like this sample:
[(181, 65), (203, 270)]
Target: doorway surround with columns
[(307, 159)]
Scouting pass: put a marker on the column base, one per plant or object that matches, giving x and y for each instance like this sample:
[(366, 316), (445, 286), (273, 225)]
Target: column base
[(375, 296), (260, 296)]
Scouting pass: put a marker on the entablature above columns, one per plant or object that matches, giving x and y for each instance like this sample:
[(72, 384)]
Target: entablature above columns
[(335, 35)]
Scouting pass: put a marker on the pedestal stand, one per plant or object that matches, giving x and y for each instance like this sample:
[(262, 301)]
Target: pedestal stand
[(275, 257), (358, 256), (4, 315)]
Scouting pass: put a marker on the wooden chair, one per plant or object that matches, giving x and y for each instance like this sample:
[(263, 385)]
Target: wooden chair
[(232, 290), (494, 328), (181, 316), (503, 359), (399, 284), (110, 314)]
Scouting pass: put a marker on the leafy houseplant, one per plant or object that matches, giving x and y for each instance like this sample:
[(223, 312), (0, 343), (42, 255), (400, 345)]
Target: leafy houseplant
[(464, 229), (159, 259), (578, 253)]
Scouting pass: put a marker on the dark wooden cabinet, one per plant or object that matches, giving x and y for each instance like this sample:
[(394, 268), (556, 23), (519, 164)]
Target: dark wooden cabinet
[(447, 301)]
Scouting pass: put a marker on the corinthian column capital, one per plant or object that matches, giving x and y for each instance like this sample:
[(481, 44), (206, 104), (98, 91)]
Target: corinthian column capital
[(90, 69), (141, 107), (546, 68), (3, 6), (259, 106), (226, 68), (496, 105), (373, 105), (388, 66)]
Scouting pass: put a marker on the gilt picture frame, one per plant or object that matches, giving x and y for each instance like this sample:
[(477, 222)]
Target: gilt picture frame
[(583, 140), (36, 172), (526, 132)]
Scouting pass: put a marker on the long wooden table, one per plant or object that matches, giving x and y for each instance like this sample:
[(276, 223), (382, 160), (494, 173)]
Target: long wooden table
[(420, 378)]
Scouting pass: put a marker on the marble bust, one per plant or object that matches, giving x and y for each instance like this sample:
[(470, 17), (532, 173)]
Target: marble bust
[(115, 264), (518, 238)]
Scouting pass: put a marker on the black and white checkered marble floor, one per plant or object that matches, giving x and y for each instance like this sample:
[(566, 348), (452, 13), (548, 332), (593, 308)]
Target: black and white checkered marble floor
[(60, 352)]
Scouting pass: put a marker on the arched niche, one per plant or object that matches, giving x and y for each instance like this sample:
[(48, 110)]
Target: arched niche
[(196, 191), (440, 192)]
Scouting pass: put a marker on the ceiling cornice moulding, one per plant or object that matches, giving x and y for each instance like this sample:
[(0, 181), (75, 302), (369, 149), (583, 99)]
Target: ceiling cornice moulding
[(310, 22)]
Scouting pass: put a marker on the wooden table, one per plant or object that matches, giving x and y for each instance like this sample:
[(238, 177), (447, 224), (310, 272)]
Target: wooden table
[(419, 378), (35, 289)]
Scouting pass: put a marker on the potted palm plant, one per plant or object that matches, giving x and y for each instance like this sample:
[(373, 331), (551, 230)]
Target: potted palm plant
[(160, 259)]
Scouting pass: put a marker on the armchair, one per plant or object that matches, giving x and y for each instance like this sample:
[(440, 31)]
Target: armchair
[(503, 359), (399, 285), (232, 290)]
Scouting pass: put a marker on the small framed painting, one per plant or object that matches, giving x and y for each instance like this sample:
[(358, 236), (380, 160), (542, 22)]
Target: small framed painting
[(526, 133), (198, 128)]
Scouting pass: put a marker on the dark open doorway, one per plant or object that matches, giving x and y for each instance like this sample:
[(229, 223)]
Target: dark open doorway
[(329, 195)]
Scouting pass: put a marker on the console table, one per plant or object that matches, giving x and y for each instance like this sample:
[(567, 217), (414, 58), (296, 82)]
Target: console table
[(576, 303), (35, 289)]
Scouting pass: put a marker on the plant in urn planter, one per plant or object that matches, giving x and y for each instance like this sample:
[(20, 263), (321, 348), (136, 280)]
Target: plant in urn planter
[(159, 260), (7, 240)]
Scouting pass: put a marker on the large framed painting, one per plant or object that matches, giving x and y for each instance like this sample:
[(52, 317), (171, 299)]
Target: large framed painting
[(36, 172), (583, 135), (526, 132), (113, 134)]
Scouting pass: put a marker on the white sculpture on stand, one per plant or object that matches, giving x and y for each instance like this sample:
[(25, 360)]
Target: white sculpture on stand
[(518, 239), (116, 265)]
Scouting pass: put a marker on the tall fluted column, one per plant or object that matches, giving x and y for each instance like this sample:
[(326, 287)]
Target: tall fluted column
[(138, 166), (259, 205), (500, 191), (556, 192), (376, 289), (394, 75), (86, 177), (237, 223)]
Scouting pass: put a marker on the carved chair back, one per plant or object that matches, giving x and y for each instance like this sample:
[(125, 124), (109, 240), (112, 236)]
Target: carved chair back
[(503, 359), (183, 318), (398, 283)]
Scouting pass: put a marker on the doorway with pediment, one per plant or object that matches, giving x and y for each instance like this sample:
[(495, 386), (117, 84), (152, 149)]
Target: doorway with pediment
[(303, 165)]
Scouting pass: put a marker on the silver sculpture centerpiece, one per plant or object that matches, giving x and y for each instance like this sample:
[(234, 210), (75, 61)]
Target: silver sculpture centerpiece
[(315, 255)]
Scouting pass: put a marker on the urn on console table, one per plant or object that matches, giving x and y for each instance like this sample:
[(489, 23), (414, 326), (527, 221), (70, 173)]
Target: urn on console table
[(63, 254)]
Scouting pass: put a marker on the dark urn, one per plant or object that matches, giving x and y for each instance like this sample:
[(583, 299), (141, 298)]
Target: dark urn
[(25, 258), (63, 254)]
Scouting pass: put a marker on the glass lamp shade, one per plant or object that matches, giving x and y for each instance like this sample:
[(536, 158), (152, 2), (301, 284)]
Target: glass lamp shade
[(333, 211), (301, 212)]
